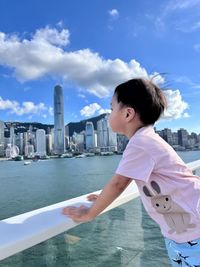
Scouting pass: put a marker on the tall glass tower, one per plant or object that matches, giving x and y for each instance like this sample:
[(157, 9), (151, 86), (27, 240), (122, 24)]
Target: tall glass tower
[(2, 140), (89, 135), (40, 142), (59, 140)]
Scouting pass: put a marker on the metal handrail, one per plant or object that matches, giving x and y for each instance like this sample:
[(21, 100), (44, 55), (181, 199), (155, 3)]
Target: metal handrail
[(26, 230)]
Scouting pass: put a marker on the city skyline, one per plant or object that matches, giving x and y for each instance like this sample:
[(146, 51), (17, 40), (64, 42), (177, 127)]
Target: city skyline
[(37, 143), (64, 47), (88, 120)]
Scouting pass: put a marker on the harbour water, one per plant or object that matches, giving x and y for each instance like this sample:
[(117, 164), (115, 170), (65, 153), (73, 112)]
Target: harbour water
[(117, 238)]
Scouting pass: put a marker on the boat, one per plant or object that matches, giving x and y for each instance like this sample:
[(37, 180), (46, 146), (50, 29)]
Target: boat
[(81, 156), (89, 154), (107, 153), (67, 155), (27, 162), (19, 158)]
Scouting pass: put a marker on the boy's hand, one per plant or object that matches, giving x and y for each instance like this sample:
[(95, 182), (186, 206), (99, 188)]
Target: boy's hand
[(77, 214), (92, 197)]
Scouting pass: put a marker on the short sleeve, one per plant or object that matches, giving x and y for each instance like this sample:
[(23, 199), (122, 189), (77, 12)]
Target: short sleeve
[(136, 163)]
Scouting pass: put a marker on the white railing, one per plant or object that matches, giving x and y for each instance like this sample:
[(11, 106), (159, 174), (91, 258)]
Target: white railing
[(26, 230)]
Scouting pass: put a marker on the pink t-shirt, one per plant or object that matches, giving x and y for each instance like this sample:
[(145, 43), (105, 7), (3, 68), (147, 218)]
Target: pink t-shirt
[(168, 189)]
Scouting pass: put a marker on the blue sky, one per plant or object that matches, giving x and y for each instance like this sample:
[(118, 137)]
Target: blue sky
[(91, 46)]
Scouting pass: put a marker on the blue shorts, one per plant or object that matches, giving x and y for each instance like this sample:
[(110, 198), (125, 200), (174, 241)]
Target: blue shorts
[(184, 254)]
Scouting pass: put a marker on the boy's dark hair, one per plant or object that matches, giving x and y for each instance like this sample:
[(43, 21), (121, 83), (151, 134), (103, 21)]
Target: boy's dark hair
[(144, 96)]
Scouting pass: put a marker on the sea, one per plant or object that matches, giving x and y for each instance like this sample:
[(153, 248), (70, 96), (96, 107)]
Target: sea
[(125, 236)]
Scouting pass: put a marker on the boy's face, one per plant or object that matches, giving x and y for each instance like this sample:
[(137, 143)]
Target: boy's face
[(117, 115)]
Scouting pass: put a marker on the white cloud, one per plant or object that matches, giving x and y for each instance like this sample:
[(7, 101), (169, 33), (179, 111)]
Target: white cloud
[(176, 106), (157, 78), (52, 36), (81, 95), (113, 13), (181, 4), (44, 55), (187, 81), (102, 111), (26, 108), (7, 104), (90, 110), (93, 109), (181, 15), (186, 115), (50, 111), (60, 24)]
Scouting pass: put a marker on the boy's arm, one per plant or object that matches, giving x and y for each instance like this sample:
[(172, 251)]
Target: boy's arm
[(111, 191)]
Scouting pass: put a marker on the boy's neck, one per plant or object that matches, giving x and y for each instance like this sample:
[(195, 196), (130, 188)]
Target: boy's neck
[(133, 128)]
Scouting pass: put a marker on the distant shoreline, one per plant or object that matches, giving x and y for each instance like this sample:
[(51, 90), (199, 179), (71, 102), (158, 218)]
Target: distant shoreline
[(53, 157), (4, 159)]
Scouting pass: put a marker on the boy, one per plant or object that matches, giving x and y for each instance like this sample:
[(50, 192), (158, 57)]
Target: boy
[(168, 189)]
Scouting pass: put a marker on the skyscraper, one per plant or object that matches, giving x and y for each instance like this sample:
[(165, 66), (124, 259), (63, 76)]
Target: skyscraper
[(12, 135), (2, 140), (59, 140), (2, 132), (41, 142), (107, 139), (89, 135)]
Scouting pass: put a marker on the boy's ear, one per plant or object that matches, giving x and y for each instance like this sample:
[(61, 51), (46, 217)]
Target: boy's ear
[(130, 113)]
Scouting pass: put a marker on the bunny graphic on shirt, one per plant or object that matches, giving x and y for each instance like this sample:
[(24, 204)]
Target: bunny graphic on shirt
[(175, 216)]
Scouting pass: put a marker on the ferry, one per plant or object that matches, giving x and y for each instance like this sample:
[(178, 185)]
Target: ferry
[(19, 158), (27, 162)]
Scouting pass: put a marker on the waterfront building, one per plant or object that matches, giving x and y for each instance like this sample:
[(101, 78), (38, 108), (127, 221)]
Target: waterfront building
[(8, 151), (48, 130), (112, 139), (100, 136), (6, 141), (175, 138), (106, 138), (49, 144), (183, 137), (40, 142), (25, 143), (12, 135), (20, 143), (30, 132), (194, 137), (2, 126), (89, 136), (102, 133), (59, 140), (2, 139), (66, 130), (29, 151), (79, 140), (31, 137), (52, 134), (2, 150), (12, 151), (67, 141), (122, 141), (168, 136), (95, 138)]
